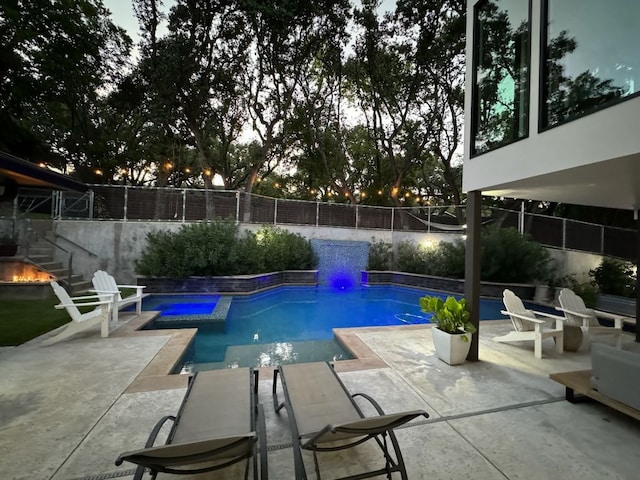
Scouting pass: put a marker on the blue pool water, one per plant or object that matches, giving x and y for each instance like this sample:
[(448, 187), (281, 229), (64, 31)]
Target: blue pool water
[(292, 324), (172, 305)]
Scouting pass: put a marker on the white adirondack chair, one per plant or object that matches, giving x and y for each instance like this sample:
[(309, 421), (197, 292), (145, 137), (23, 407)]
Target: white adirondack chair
[(577, 313), (80, 321), (527, 326), (106, 287)]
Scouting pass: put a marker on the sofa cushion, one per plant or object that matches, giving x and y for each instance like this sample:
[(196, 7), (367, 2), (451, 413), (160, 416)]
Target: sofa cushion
[(616, 373)]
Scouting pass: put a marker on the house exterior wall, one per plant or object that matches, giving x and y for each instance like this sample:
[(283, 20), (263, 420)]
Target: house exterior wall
[(607, 139)]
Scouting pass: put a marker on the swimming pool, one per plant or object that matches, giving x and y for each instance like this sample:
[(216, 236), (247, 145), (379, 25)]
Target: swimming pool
[(291, 324)]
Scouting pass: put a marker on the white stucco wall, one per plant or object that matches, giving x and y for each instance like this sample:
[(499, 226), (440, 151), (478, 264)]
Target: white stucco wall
[(606, 142), (574, 263)]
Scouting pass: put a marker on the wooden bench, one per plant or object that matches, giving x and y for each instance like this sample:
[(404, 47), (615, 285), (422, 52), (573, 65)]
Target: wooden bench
[(579, 382)]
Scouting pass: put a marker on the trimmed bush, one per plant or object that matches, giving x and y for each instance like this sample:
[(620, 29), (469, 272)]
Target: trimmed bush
[(614, 277), (380, 255), (217, 248), (284, 250), (506, 256), (414, 258)]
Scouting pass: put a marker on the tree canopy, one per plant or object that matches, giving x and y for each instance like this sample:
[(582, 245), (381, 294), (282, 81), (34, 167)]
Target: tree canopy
[(328, 100)]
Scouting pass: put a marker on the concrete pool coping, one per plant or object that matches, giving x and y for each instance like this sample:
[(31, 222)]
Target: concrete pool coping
[(157, 375)]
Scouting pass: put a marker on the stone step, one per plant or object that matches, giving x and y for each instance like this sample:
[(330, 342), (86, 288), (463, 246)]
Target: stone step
[(41, 259), (82, 286), (56, 268), (39, 249)]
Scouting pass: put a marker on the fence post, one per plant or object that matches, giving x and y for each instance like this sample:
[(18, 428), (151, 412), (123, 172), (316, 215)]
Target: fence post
[(126, 199), (54, 205), (184, 205), (393, 212), (521, 219), (564, 234), (428, 219), (92, 199), (317, 214), (602, 227), (275, 211), (357, 217), (237, 207)]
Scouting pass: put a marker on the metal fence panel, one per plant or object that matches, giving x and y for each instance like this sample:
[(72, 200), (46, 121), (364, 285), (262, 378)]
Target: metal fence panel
[(154, 204), (585, 237), (255, 209), (336, 215), (407, 220), (118, 202), (109, 202), (546, 230), (620, 243), (76, 205), (508, 219), (294, 212), (34, 201), (209, 205), (374, 217)]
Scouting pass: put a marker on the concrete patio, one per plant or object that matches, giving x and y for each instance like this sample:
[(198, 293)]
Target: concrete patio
[(68, 410)]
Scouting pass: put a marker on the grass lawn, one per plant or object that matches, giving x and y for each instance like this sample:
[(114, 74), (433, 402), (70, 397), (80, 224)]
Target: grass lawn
[(22, 320)]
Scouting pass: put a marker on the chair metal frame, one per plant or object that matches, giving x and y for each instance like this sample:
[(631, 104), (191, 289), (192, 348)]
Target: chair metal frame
[(361, 435)]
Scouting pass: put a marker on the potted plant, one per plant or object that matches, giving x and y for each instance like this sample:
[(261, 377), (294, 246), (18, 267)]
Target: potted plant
[(451, 335), (8, 247)]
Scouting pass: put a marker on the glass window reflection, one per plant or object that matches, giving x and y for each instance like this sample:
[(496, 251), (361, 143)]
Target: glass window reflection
[(501, 67), (591, 57)]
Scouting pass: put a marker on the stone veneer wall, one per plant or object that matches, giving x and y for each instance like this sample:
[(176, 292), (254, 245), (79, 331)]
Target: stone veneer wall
[(452, 285), (340, 261), (228, 284)]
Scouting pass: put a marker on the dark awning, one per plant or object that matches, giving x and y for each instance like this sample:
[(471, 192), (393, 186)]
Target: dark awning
[(16, 172)]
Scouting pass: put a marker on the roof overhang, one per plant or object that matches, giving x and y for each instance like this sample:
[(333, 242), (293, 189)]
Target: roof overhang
[(16, 172), (612, 184)]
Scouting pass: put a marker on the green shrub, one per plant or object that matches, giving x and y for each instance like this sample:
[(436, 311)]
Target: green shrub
[(414, 258), (195, 250), (217, 248), (614, 277), (249, 256), (284, 250), (506, 256), (380, 255), (450, 259)]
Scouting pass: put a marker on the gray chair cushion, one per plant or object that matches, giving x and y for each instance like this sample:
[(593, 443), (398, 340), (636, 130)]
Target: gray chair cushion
[(616, 373)]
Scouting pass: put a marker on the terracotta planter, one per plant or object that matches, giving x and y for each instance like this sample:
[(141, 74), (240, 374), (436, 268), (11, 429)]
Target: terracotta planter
[(450, 348)]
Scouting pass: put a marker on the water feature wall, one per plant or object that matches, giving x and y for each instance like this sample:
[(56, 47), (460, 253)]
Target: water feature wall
[(340, 261)]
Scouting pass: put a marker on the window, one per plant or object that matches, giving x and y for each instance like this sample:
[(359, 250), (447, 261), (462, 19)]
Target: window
[(501, 73), (591, 58)]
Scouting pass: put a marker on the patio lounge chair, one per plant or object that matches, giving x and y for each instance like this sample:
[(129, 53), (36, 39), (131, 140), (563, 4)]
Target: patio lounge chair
[(80, 321), (105, 286), (577, 313), (527, 326), (324, 417), (219, 424)]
